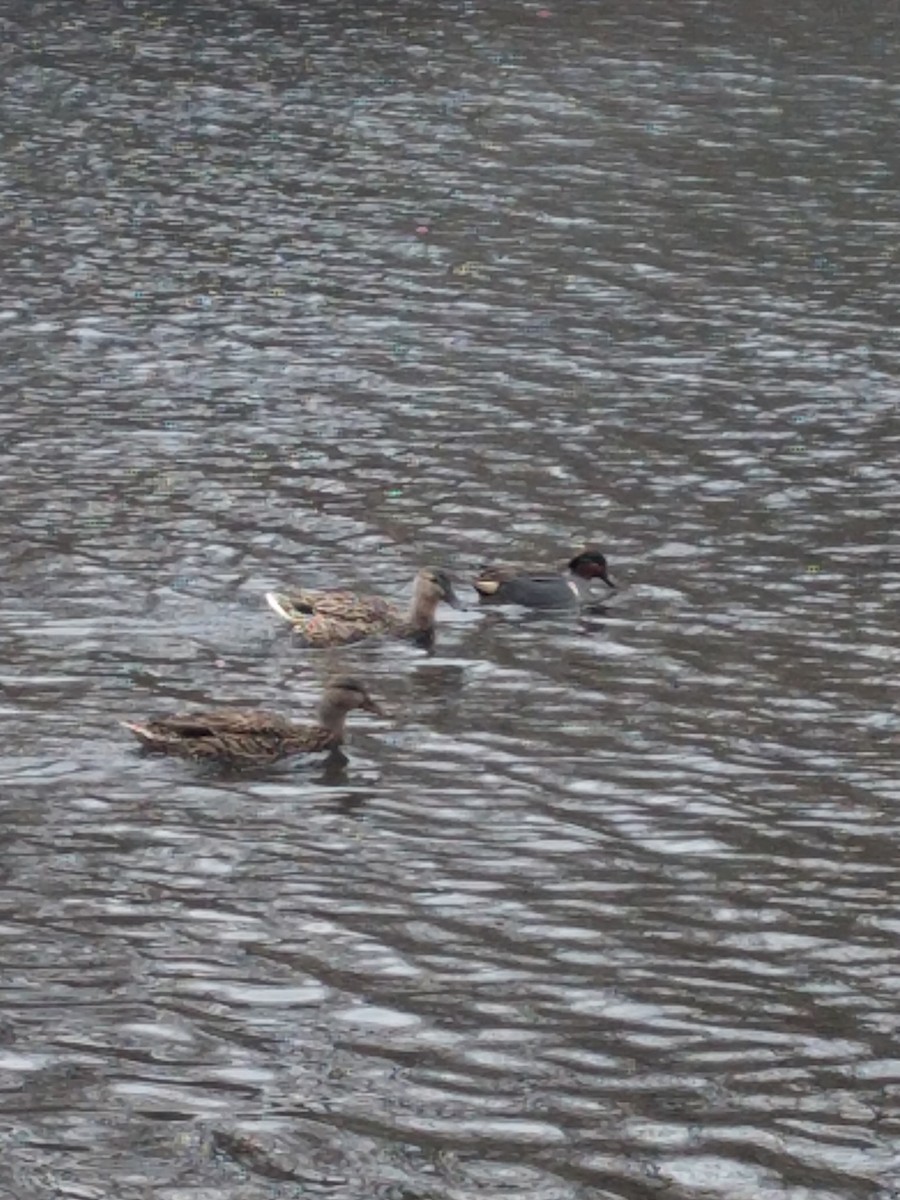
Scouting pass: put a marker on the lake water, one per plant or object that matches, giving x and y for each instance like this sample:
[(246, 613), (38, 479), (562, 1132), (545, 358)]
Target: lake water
[(607, 909)]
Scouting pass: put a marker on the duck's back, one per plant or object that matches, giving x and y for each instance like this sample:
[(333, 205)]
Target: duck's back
[(348, 606), (535, 591)]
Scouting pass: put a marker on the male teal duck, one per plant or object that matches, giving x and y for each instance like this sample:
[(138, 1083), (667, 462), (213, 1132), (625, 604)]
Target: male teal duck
[(510, 585), (336, 618), (244, 738)]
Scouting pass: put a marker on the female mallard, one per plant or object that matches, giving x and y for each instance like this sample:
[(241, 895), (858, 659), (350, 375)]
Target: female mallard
[(332, 618), (508, 585), (242, 737)]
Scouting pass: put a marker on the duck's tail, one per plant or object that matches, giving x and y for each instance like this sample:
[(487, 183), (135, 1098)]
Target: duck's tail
[(486, 587), (144, 735), (283, 605)]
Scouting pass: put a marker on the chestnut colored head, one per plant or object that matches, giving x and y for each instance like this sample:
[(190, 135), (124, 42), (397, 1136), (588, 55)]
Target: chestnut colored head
[(591, 564)]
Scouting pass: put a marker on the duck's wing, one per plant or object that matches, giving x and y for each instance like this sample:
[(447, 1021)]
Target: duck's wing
[(319, 631), (221, 720), (228, 734), (295, 604), (197, 726), (347, 606)]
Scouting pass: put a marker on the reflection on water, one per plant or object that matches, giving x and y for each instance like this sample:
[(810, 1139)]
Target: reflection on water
[(292, 297)]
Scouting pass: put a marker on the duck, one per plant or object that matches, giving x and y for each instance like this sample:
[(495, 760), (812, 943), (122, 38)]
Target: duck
[(511, 585), (248, 737), (336, 618)]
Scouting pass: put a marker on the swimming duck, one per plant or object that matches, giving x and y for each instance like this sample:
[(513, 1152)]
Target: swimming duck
[(334, 618), (509, 585), (247, 737)]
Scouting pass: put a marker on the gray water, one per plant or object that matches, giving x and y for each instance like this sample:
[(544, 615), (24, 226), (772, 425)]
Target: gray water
[(607, 908)]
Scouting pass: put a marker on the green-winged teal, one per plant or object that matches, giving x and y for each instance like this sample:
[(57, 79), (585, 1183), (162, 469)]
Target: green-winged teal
[(335, 618), (511, 585), (247, 737)]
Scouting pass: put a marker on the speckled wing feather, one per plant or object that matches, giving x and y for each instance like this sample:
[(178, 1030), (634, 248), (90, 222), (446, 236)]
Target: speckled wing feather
[(230, 735), (320, 631), (220, 720), (343, 606), (335, 618)]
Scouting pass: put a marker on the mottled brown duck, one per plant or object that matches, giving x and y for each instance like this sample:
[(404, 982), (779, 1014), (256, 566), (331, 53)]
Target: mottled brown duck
[(336, 618), (241, 737)]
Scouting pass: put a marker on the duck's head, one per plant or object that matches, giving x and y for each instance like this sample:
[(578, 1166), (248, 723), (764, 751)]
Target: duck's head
[(434, 586), (343, 693), (591, 564)]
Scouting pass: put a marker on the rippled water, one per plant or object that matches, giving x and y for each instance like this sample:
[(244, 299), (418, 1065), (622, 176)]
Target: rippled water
[(609, 907)]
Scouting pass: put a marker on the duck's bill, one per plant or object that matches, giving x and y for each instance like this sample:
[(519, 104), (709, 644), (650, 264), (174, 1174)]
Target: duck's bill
[(453, 600), (607, 579), (373, 706)]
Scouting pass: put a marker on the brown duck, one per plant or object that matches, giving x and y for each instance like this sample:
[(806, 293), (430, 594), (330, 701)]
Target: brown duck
[(336, 618), (242, 737)]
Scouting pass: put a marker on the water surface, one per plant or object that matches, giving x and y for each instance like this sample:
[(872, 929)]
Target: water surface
[(608, 908)]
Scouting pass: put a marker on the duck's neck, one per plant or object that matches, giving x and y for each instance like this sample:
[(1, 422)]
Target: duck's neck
[(422, 608), (333, 717), (583, 587)]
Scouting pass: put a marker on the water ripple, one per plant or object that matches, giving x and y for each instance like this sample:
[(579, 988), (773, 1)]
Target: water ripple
[(606, 908)]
